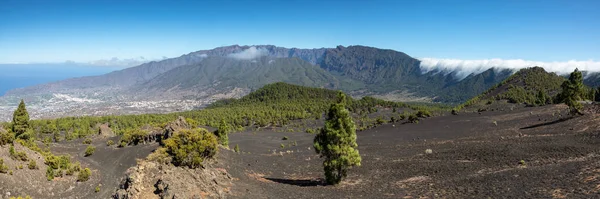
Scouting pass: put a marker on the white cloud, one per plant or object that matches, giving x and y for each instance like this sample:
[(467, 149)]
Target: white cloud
[(464, 68), (250, 53)]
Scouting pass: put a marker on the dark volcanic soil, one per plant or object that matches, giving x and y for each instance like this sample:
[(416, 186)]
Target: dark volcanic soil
[(474, 156), (535, 152)]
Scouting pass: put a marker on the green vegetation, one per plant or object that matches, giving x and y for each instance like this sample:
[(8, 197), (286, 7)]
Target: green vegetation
[(273, 105), (132, 136), (32, 165), (97, 189), (20, 124), (17, 155), (572, 92), (49, 173), (532, 86), (89, 150), (87, 141), (284, 138), (6, 137), (84, 175), (190, 147), (20, 197), (337, 142), (109, 143), (3, 168), (222, 132), (236, 149)]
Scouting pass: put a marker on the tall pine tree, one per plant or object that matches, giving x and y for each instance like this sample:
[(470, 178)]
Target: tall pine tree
[(222, 132), (20, 124), (337, 142), (573, 91)]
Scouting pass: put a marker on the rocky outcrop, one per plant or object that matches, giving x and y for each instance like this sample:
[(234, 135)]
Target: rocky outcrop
[(154, 180), (167, 132), (105, 130)]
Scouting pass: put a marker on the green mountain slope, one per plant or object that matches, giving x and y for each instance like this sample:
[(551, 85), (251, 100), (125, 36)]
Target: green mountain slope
[(523, 87), (224, 72)]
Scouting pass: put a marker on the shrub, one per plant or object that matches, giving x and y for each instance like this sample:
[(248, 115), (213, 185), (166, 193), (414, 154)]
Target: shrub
[(284, 138), (109, 143), (413, 119), (133, 136), (191, 147), (97, 189), (423, 113), (160, 156), (310, 131), (236, 148), (89, 150), (73, 168), (21, 197), (32, 165), (17, 155), (87, 141), (6, 137), (3, 168), (454, 112), (49, 173), (84, 175), (379, 120), (58, 173), (282, 146)]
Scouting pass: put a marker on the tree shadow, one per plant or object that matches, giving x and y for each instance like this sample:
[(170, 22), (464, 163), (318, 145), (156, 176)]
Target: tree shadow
[(548, 123), (301, 183)]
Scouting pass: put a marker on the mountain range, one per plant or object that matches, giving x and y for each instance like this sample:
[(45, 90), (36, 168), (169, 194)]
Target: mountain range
[(201, 77)]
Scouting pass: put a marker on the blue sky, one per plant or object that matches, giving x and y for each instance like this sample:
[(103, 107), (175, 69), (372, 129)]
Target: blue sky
[(82, 31)]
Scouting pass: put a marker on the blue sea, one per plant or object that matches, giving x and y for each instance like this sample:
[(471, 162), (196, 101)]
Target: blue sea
[(22, 75)]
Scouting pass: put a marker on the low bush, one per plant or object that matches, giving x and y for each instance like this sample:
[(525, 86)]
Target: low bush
[(236, 148), (133, 136), (109, 143), (73, 168), (3, 168), (310, 131), (17, 155), (49, 173), (32, 165), (160, 156), (87, 141), (84, 175), (423, 113), (89, 150), (6, 138), (413, 119), (284, 138), (21, 197), (190, 147)]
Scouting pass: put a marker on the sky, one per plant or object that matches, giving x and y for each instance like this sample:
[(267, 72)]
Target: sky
[(83, 31)]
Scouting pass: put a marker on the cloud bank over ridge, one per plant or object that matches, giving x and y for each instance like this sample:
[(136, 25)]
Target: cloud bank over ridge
[(464, 68), (250, 53)]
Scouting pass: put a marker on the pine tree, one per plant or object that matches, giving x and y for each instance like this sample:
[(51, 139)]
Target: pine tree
[(573, 91), (20, 124), (221, 133), (336, 142)]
